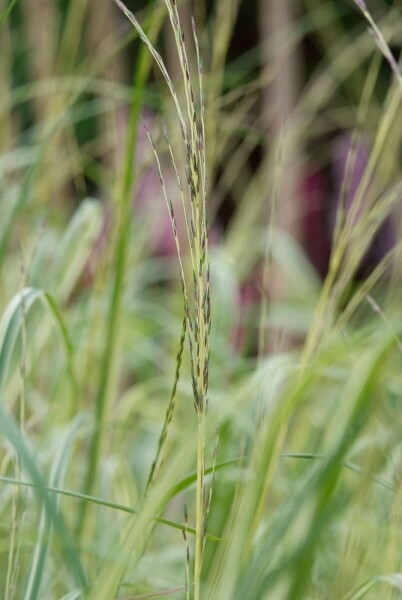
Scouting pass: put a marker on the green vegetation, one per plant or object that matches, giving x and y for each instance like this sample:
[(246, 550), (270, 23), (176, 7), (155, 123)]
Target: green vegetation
[(186, 409)]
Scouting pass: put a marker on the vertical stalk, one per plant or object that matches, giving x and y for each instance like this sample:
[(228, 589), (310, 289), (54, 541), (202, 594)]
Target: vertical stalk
[(113, 320), (124, 196), (200, 504), (197, 306)]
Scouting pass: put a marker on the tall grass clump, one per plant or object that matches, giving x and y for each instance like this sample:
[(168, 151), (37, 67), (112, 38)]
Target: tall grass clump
[(154, 303), (195, 287)]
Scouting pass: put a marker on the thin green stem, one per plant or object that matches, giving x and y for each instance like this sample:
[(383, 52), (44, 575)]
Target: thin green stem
[(115, 309), (200, 506)]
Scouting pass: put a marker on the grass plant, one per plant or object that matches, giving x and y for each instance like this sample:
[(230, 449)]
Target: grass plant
[(150, 445)]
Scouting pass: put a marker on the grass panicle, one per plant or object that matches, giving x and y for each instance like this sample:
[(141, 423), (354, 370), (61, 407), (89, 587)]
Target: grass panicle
[(197, 306)]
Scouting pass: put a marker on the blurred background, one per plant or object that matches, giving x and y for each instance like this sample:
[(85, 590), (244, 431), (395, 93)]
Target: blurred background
[(283, 86)]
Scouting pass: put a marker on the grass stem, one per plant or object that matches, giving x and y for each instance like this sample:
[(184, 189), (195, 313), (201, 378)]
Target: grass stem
[(115, 308), (200, 506)]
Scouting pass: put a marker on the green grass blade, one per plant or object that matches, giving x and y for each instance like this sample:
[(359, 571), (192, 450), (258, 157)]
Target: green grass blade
[(4, 15), (42, 547), (393, 580), (10, 431), (12, 322), (113, 322)]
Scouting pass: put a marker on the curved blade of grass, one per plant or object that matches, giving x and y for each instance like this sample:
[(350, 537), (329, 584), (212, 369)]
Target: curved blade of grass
[(393, 579), (348, 465), (45, 529), (185, 483), (10, 430), (75, 247), (109, 504), (188, 481), (7, 11), (317, 498), (12, 322)]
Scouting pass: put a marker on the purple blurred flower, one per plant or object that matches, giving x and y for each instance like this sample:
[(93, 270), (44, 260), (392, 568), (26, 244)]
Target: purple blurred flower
[(315, 238)]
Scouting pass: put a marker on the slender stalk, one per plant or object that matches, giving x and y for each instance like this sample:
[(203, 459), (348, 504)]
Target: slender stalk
[(124, 196), (200, 506), (381, 41), (195, 289), (114, 312)]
